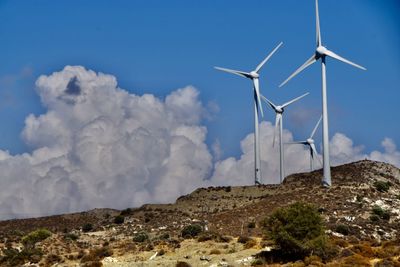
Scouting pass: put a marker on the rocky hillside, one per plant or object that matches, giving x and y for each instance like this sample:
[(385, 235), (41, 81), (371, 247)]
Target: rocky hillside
[(361, 208)]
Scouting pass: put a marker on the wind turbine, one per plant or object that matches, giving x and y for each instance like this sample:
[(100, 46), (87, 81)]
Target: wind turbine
[(310, 143), (321, 53), (279, 120), (253, 75)]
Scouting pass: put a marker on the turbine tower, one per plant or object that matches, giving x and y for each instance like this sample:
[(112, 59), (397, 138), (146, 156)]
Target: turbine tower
[(321, 53), (254, 75), (310, 143), (279, 120)]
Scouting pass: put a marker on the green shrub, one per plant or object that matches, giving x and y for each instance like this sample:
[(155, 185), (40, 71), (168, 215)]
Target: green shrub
[(382, 186), (126, 212), (71, 236), (378, 211), (342, 229), (297, 229), (191, 231), (13, 257), (36, 236), (87, 227), (140, 237), (119, 219), (381, 213)]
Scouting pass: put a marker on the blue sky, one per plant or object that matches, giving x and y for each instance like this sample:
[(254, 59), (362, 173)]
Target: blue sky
[(159, 46)]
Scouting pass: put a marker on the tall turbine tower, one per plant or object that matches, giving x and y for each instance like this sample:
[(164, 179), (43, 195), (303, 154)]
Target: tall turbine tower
[(253, 75), (279, 120), (310, 143), (321, 53)]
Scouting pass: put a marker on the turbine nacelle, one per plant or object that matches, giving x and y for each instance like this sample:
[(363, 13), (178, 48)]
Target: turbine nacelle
[(279, 109), (254, 75), (310, 141), (321, 50)]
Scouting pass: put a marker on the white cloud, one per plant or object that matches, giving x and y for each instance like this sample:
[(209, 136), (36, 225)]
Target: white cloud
[(100, 146)]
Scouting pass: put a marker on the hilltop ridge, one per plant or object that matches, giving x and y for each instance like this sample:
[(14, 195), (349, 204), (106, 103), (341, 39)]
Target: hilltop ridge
[(357, 189)]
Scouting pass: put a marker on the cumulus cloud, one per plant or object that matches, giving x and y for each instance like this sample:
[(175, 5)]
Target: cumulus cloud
[(98, 145)]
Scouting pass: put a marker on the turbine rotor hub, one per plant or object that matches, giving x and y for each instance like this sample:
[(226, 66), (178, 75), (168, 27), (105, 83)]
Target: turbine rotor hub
[(254, 74), (310, 141), (279, 109), (321, 50)]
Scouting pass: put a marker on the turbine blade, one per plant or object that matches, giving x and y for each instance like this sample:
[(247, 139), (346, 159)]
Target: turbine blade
[(297, 143), (257, 89), (336, 56), (309, 61), (318, 29), (237, 72), (273, 106), (267, 58), (277, 121), (316, 127), (294, 100), (315, 152)]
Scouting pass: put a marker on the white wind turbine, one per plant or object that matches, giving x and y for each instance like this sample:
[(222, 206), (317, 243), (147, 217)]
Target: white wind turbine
[(253, 75), (279, 120), (310, 143), (321, 53)]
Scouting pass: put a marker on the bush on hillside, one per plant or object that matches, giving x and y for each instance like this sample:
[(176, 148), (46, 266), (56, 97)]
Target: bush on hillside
[(87, 227), (140, 237), (298, 230), (382, 186), (36, 236), (191, 231), (342, 229), (13, 257), (119, 219)]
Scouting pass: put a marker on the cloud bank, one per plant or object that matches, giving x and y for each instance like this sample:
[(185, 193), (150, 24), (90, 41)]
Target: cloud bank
[(99, 146)]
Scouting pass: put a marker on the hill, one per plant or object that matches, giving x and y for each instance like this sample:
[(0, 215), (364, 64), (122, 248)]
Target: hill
[(362, 207)]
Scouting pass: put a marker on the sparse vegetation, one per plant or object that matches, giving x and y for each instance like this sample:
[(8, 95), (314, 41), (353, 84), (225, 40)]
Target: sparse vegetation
[(356, 260), (119, 219), (71, 236), (344, 205), (140, 237), (380, 212), (342, 229), (382, 186), (191, 231), (87, 227), (13, 257), (126, 212)]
